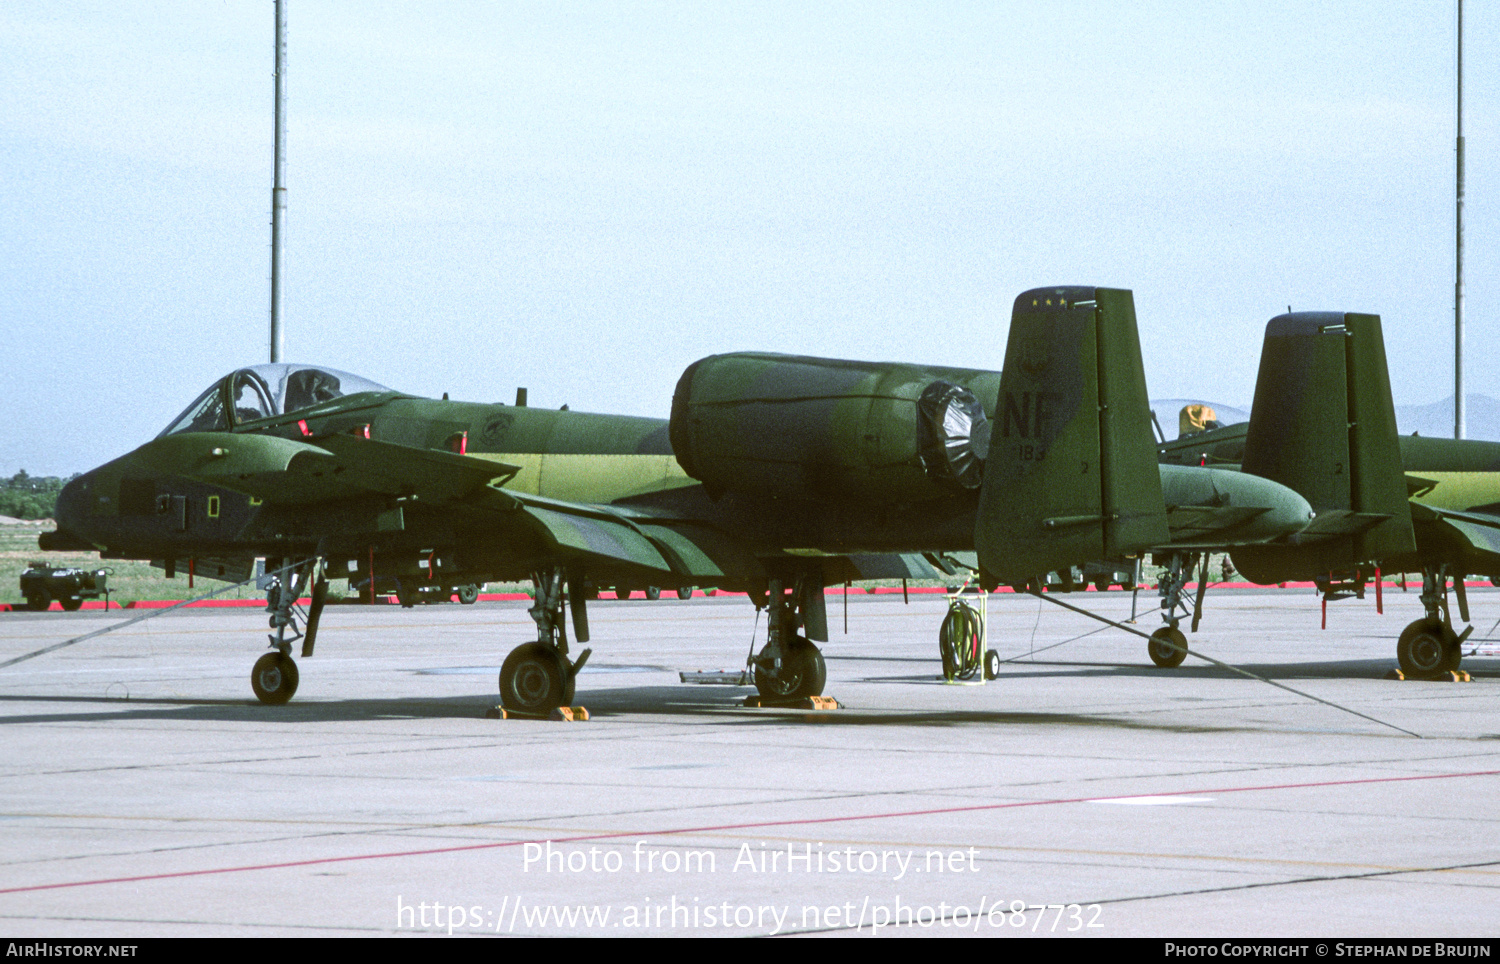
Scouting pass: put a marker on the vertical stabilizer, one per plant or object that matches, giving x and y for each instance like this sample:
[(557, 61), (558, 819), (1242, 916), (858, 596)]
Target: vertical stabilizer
[(1071, 474), (1324, 425)]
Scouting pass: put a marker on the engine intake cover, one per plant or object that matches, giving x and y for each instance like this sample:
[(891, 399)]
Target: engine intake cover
[(955, 434)]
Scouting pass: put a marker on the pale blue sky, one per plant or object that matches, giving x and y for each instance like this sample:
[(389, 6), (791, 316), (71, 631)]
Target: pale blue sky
[(585, 198)]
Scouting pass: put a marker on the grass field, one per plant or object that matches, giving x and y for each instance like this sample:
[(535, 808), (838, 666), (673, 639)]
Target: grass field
[(128, 581)]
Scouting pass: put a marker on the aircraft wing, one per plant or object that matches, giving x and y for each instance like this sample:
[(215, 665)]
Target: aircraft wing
[(296, 473), (616, 534), (689, 549), (290, 472)]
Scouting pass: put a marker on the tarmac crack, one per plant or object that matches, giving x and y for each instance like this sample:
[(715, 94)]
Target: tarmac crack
[(1368, 875)]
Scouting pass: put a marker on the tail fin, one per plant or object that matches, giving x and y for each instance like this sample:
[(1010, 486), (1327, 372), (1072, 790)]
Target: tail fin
[(1071, 474), (1324, 425)]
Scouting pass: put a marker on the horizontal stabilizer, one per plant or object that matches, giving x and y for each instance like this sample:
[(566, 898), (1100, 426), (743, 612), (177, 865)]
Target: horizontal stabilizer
[(1480, 529), (1336, 523)]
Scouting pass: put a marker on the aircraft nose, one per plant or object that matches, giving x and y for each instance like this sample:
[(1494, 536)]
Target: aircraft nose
[(72, 516)]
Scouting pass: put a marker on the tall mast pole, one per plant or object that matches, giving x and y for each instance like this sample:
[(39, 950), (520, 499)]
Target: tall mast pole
[(278, 189), (1458, 285)]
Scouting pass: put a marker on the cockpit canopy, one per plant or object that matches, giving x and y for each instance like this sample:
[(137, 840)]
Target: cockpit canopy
[(264, 391)]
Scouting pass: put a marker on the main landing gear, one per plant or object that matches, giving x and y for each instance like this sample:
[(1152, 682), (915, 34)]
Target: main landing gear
[(538, 677), (789, 666), (274, 677), (1168, 646), (1429, 646)]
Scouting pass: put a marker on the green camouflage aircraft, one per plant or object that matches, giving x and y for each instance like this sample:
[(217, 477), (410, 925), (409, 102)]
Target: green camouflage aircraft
[(775, 475), (1322, 423)]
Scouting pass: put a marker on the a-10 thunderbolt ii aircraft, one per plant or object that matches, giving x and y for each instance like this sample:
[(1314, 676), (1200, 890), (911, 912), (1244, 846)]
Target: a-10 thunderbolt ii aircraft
[(1322, 423), (775, 475)]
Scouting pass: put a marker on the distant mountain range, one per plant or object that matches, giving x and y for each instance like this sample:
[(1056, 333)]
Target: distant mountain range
[(1482, 420)]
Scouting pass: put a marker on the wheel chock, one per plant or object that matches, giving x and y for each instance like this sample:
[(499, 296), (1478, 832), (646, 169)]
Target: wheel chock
[(1446, 676), (568, 714), (795, 703)]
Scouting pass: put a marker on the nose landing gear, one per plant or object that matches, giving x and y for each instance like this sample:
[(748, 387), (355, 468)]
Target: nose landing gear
[(274, 677)]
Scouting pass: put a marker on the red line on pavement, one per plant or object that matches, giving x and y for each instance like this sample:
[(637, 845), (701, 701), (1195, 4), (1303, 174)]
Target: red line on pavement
[(805, 821)]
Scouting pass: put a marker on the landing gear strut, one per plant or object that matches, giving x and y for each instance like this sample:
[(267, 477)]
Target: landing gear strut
[(274, 677), (790, 666), (1168, 646), (538, 677), (1430, 645)]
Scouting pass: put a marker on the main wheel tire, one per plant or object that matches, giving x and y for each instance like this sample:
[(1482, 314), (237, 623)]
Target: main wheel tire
[(468, 594), (71, 603), (38, 602), (653, 593), (1427, 648), (1162, 650), (274, 678), (407, 596), (535, 679), (803, 673), (684, 592)]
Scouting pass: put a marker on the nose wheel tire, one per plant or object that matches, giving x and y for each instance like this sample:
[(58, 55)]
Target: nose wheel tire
[(1427, 648), (803, 673), (536, 678), (1164, 647), (274, 678)]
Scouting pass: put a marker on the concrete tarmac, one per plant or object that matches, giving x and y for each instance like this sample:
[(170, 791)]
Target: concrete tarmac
[(1082, 793)]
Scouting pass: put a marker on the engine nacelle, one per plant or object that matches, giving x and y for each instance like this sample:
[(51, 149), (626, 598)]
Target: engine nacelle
[(815, 428)]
